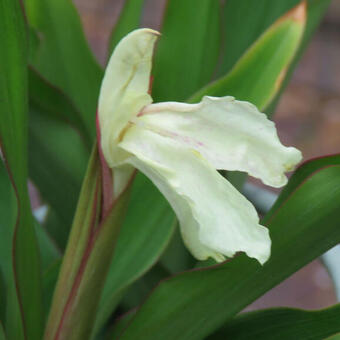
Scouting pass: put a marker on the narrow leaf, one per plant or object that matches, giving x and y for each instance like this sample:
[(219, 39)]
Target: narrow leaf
[(86, 261), (264, 64), (188, 51), (58, 152), (65, 60), (146, 231), (2, 333), (55, 104), (13, 138)]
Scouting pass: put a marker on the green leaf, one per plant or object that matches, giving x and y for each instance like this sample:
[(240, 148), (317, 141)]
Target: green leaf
[(10, 312), (305, 170), (50, 100), (129, 19), (315, 12), (50, 277), (258, 16), (263, 65), (194, 304), (49, 252), (86, 260), (58, 153), (80, 239), (283, 324), (2, 332), (147, 229), (140, 289), (21, 238), (188, 50), (57, 163), (65, 59)]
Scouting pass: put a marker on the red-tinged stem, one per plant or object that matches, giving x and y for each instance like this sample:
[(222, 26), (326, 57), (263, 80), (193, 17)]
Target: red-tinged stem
[(90, 243), (107, 182)]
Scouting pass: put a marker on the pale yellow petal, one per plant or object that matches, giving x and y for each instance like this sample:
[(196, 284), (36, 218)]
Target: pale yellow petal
[(215, 219), (124, 90), (230, 135)]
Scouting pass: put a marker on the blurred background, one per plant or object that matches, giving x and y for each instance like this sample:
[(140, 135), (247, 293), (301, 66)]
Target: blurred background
[(308, 117)]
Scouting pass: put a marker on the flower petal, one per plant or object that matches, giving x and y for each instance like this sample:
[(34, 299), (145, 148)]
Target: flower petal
[(124, 90), (215, 218), (230, 135)]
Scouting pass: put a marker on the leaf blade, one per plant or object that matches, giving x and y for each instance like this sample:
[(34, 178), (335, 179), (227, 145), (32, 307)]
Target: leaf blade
[(277, 47), (285, 323), (13, 135), (228, 288), (178, 71)]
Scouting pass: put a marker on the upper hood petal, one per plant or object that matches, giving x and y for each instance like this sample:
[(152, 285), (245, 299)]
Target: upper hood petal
[(124, 90)]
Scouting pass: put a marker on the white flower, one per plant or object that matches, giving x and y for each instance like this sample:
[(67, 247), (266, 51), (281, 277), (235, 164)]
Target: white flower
[(179, 147)]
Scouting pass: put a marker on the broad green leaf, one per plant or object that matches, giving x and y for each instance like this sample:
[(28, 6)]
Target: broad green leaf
[(301, 173), (176, 257), (146, 231), (22, 242), (334, 337), (129, 19), (115, 331), (139, 290), (282, 324), (187, 52), (63, 56), (194, 304), (257, 76)]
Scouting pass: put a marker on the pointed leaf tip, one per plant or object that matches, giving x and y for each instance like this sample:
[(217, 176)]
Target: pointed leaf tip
[(297, 13)]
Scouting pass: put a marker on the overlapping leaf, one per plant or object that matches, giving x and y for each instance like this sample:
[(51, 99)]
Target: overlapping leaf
[(193, 304), (62, 55), (22, 276), (145, 233), (57, 163), (258, 74), (188, 50), (259, 16), (285, 323), (302, 172)]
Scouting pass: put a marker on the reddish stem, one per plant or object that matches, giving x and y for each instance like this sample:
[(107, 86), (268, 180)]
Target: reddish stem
[(107, 182)]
